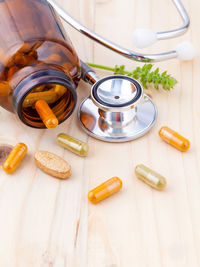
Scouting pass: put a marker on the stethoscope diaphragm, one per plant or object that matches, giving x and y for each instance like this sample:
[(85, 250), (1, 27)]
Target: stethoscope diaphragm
[(117, 110)]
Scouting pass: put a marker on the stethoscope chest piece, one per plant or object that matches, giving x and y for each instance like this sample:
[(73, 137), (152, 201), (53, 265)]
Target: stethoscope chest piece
[(117, 110)]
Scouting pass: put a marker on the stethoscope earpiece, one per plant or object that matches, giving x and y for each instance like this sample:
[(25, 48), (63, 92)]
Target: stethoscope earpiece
[(144, 37), (185, 51)]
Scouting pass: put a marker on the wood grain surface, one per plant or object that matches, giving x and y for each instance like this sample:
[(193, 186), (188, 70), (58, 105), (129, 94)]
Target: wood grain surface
[(45, 222)]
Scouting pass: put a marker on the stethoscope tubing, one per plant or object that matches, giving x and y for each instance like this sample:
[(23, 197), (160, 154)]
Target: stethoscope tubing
[(123, 51)]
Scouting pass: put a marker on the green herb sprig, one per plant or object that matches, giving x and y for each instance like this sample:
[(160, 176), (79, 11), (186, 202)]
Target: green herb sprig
[(145, 75)]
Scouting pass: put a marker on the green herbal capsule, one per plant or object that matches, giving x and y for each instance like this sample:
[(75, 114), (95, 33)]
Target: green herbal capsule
[(150, 177), (78, 147)]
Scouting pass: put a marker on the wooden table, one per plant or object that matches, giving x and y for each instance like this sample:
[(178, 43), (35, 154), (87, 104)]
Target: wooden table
[(48, 222)]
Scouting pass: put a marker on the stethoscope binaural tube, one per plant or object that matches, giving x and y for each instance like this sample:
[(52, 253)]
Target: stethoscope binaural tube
[(178, 52)]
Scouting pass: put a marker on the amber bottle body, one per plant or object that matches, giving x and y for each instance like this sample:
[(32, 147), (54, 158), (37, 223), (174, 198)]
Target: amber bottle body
[(35, 52)]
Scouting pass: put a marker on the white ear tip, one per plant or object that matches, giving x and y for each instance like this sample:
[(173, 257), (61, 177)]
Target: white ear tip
[(144, 37), (185, 51)]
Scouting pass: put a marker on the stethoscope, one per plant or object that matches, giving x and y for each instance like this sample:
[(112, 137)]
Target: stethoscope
[(117, 110)]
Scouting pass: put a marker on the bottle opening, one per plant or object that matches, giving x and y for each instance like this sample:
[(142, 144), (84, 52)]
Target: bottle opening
[(54, 88), (59, 98)]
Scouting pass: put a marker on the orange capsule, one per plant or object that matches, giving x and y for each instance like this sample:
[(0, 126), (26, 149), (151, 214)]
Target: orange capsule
[(12, 72), (174, 139), (14, 158), (5, 88), (25, 48), (54, 57), (46, 114), (21, 59), (105, 190)]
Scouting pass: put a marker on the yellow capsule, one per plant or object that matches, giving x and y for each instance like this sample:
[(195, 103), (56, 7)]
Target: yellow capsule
[(74, 145), (14, 158), (174, 139), (150, 177), (40, 88), (60, 90), (46, 114), (48, 96), (105, 190)]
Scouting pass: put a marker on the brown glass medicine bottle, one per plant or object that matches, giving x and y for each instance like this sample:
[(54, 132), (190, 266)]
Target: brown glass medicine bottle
[(37, 61)]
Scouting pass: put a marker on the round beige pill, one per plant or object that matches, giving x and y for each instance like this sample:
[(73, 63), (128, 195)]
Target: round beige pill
[(52, 164)]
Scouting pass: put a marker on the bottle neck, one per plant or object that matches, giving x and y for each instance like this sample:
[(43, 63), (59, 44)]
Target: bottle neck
[(54, 86)]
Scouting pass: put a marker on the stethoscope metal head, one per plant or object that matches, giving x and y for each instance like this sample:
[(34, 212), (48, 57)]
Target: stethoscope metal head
[(116, 93), (117, 110)]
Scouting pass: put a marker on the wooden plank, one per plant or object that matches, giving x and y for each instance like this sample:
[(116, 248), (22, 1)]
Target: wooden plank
[(48, 222)]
